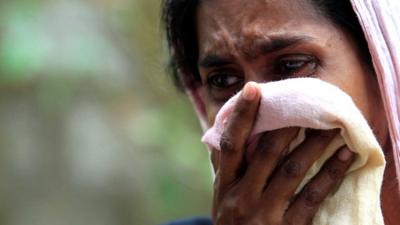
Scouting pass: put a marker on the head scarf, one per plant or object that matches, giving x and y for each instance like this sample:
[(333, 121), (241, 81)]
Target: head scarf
[(381, 25)]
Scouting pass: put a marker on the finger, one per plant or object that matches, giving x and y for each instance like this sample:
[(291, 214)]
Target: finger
[(269, 152), (306, 204), (214, 157), (236, 133), (289, 175)]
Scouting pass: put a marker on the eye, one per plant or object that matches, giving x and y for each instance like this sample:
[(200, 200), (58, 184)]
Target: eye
[(221, 80), (298, 65)]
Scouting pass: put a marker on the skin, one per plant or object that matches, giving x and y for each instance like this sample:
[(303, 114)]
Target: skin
[(262, 41)]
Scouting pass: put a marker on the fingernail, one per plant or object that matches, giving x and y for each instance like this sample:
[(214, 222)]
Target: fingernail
[(249, 91), (344, 154)]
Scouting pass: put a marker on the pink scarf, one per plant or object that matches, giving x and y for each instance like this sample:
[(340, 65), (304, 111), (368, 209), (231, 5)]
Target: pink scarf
[(380, 21)]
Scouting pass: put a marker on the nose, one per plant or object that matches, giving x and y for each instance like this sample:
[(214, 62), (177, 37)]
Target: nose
[(257, 75)]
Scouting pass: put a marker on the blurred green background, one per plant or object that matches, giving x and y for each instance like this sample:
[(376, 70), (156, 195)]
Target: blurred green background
[(92, 129)]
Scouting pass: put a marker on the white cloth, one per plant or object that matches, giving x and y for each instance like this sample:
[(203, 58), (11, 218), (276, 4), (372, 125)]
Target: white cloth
[(312, 103)]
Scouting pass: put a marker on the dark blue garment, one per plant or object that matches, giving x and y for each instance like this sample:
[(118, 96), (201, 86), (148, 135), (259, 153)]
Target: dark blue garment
[(193, 221)]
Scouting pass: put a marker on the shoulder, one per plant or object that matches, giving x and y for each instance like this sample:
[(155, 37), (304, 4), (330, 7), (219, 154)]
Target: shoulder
[(192, 221)]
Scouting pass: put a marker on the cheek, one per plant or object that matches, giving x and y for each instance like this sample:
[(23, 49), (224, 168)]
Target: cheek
[(345, 68), (366, 95), (212, 110)]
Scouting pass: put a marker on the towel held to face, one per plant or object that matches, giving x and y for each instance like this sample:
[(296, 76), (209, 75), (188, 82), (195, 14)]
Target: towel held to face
[(312, 103)]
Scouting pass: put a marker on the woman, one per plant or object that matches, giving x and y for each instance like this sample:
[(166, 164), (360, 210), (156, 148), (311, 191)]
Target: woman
[(218, 46)]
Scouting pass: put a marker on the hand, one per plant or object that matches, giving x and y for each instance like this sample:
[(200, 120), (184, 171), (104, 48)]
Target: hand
[(262, 190)]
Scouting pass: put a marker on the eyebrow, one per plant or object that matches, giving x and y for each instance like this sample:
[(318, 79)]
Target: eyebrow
[(213, 60), (274, 44), (256, 47)]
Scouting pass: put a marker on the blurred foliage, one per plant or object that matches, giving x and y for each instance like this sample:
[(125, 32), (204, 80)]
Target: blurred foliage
[(92, 129)]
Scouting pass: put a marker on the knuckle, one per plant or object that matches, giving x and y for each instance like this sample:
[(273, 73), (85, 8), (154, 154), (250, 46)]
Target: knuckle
[(290, 222), (226, 143), (240, 109), (257, 220), (334, 172), (233, 207), (221, 218), (312, 197), (217, 181), (292, 169), (268, 145)]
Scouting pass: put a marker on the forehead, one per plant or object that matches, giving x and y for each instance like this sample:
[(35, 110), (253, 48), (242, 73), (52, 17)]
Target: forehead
[(235, 10), (231, 25)]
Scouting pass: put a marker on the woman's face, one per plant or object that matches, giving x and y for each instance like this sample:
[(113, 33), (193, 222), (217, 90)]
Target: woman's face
[(267, 40)]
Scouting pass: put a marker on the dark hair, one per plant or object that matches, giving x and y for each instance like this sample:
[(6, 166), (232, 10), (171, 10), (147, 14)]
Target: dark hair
[(179, 19)]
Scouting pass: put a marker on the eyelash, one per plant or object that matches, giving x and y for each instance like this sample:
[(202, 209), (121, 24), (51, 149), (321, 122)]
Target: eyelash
[(223, 83), (223, 79), (295, 65)]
